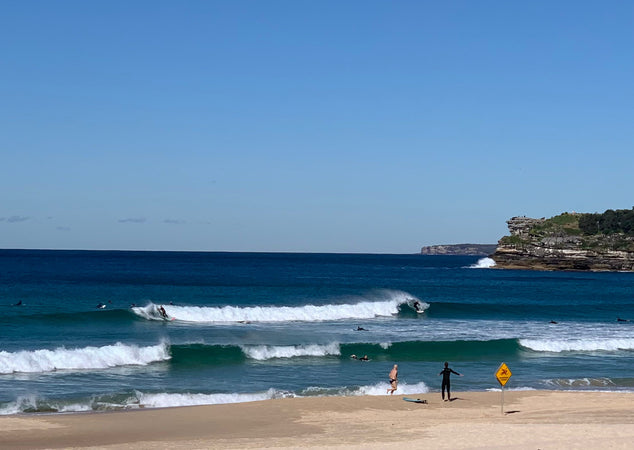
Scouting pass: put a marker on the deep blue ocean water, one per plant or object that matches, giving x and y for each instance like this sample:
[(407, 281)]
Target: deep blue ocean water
[(252, 326)]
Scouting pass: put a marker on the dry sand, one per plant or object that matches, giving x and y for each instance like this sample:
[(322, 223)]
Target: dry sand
[(531, 420)]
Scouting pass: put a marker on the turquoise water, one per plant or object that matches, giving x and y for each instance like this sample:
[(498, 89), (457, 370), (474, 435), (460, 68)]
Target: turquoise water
[(244, 327)]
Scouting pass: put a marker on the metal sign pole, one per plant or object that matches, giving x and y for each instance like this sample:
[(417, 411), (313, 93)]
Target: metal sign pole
[(502, 407)]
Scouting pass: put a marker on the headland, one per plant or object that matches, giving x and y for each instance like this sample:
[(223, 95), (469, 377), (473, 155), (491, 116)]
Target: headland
[(569, 241)]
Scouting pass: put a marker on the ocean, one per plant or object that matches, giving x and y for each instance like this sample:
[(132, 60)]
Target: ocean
[(81, 330)]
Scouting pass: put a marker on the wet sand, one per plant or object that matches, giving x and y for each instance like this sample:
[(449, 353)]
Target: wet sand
[(531, 420)]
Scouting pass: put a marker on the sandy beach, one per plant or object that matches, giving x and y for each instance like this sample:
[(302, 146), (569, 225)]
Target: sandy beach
[(531, 420)]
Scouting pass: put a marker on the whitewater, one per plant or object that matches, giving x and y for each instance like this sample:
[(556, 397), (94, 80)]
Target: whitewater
[(85, 358), (243, 327), (303, 313)]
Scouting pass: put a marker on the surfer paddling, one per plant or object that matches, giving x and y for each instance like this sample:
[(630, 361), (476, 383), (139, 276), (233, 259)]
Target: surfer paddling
[(393, 380)]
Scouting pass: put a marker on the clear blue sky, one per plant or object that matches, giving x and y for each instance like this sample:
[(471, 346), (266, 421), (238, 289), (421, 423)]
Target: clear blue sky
[(323, 126)]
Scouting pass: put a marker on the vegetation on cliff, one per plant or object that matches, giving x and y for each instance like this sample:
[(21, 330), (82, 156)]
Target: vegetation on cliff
[(610, 222), (611, 230)]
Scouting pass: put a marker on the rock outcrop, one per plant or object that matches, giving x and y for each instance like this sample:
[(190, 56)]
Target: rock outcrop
[(559, 244), (459, 249)]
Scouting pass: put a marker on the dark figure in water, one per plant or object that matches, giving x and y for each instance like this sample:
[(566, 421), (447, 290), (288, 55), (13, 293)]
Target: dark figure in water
[(162, 311), (618, 319), (446, 382), (18, 303), (361, 329)]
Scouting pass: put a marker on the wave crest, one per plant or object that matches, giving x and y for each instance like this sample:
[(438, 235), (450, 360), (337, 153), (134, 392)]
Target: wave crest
[(32, 361), (164, 400), (365, 309), (264, 352), (577, 345)]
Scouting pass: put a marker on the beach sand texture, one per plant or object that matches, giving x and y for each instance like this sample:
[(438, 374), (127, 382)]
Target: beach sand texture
[(531, 420)]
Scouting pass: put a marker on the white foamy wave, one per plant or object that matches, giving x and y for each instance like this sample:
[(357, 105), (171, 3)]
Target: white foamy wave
[(21, 404), (516, 389), (164, 400), (403, 389), (580, 382), (85, 358), (32, 403), (577, 345), (75, 407), (306, 313), (264, 352), (483, 263), (151, 312)]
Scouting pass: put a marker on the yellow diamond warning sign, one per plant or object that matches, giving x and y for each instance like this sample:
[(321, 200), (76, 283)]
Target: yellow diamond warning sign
[(503, 374)]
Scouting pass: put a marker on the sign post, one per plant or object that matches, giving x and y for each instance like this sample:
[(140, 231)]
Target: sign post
[(503, 374)]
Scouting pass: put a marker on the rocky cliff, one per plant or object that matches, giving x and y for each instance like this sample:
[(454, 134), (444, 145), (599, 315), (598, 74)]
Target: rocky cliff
[(559, 243), (459, 249)]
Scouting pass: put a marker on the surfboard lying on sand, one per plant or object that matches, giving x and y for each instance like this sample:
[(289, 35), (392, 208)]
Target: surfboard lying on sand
[(415, 400)]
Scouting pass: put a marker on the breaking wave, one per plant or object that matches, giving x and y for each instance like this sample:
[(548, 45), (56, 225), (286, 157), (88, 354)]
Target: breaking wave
[(483, 263), (86, 358), (138, 399), (198, 354), (578, 345), (364, 309), (164, 400), (264, 352)]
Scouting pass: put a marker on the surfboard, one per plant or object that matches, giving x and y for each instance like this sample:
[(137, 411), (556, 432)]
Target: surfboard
[(415, 400)]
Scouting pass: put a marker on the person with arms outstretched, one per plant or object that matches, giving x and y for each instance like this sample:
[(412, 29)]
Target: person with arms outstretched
[(446, 382)]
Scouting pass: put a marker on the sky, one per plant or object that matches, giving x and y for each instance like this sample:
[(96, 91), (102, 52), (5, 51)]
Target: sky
[(308, 126)]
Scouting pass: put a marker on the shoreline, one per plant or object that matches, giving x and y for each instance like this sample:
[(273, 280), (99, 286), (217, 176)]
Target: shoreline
[(531, 419)]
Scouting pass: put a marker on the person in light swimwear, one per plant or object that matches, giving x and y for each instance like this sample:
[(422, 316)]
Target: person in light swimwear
[(393, 379)]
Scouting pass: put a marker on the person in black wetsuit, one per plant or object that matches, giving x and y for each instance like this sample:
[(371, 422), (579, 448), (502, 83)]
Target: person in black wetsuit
[(446, 382)]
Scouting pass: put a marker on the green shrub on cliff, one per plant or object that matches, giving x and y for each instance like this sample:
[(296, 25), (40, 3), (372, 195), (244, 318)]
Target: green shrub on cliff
[(563, 224), (513, 240), (610, 222)]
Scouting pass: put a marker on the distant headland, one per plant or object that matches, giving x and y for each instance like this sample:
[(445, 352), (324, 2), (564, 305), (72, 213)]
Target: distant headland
[(459, 249), (569, 241)]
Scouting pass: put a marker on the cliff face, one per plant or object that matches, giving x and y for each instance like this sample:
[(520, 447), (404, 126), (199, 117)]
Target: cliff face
[(459, 249), (558, 244)]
